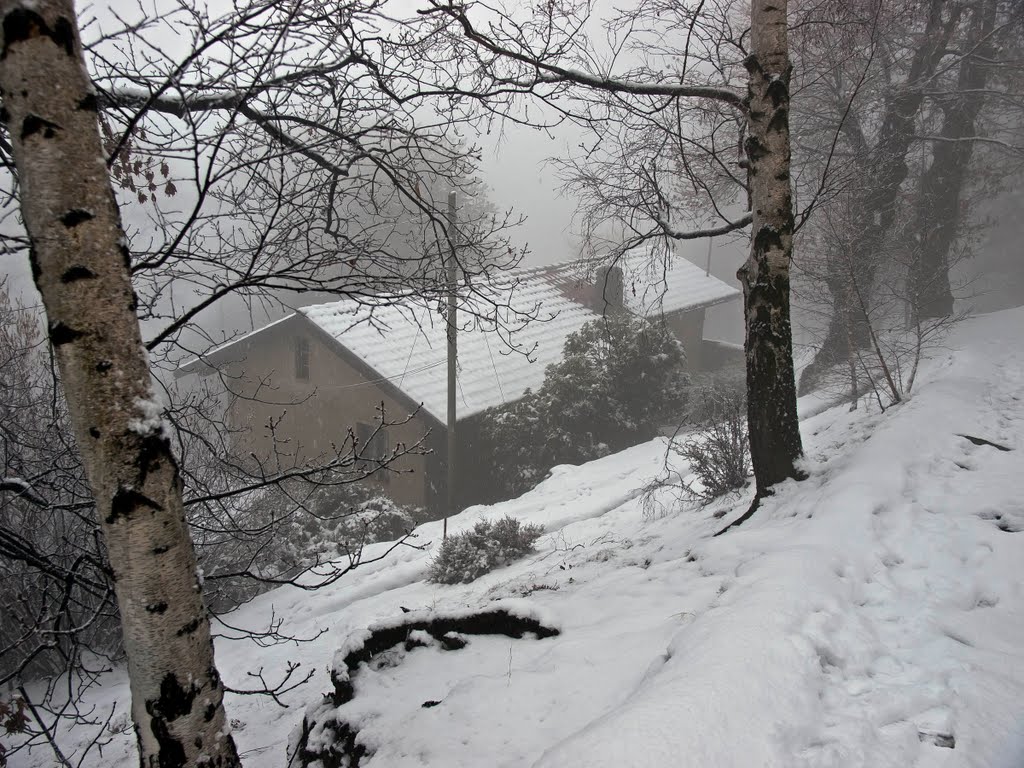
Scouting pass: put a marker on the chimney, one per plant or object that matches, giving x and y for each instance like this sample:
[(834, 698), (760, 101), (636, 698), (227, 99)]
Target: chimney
[(608, 289)]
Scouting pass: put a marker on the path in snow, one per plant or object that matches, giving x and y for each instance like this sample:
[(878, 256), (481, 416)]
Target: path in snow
[(902, 666)]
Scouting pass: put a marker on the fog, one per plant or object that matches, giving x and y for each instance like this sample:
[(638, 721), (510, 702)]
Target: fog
[(515, 168), (548, 295)]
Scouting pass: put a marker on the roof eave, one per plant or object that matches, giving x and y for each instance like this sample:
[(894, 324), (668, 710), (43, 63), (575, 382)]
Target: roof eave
[(656, 311), (206, 363), (372, 374)]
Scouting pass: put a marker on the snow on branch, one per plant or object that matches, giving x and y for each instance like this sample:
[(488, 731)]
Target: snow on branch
[(228, 101), (558, 74), (22, 488), (550, 73), (980, 139), (696, 234)]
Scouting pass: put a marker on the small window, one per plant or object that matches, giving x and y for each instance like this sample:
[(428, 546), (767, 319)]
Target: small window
[(302, 358), (373, 441), (374, 445)]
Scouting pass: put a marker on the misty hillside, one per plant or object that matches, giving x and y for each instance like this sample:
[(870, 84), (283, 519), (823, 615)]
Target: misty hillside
[(870, 615)]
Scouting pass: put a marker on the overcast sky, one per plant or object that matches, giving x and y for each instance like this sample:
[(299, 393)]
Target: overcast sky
[(513, 165), (514, 168)]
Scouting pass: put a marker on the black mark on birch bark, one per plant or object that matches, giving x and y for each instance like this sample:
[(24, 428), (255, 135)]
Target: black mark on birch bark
[(190, 627), (88, 103), (64, 35), (755, 150), (174, 701), (76, 273), (61, 334), (23, 24), (154, 452), (779, 121), (34, 124), (126, 501), (767, 239), (75, 216), (33, 262)]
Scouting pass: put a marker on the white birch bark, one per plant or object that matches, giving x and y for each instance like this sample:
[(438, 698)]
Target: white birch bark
[(80, 263), (775, 442)]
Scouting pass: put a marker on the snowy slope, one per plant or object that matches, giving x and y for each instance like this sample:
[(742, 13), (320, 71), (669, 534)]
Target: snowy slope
[(872, 615)]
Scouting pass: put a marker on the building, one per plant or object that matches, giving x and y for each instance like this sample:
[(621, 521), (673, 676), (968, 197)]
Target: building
[(305, 380)]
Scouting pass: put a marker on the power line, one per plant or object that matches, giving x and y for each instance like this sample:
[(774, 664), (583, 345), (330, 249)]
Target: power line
[(385, 378), (494, 368), (412, 349)]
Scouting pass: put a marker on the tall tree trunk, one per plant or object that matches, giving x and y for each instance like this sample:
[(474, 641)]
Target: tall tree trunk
[(938, 204), (885, 170), (771, 392), (81, 266)]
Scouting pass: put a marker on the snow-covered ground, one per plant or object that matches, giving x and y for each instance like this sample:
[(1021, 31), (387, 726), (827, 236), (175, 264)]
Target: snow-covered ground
[(872, 615)]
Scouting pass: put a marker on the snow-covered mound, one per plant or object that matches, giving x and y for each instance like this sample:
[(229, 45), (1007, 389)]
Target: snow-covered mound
[(872, 615)]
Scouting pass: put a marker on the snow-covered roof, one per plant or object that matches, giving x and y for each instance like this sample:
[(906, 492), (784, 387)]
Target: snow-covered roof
[(407, 343), (652, 286)]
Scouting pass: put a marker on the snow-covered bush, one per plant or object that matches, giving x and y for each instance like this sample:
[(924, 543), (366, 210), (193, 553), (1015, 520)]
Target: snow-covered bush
[(619, 380), (466, 556), (719, 451), (376, 519), (283, 530)]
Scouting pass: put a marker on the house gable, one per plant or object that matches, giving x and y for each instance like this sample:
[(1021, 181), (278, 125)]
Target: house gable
[(285, 416)]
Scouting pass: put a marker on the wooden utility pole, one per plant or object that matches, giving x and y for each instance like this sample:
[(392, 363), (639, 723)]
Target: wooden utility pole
[(453, 330)]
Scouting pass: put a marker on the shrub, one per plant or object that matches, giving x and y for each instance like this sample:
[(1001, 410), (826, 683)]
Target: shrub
[(719, 453), (620, 379), (281, 531), (376, 519), (466, 556)]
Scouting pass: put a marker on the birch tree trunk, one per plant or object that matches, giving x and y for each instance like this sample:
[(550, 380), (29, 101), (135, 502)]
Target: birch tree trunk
[(80, 263), (771, 391)]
